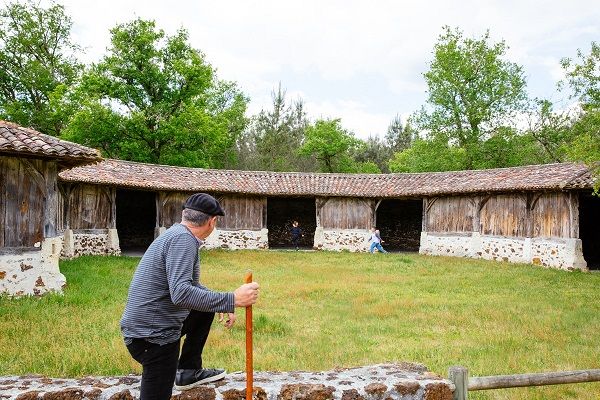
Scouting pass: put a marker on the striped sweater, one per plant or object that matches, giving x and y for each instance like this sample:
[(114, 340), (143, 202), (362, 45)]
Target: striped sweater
[(165, 287)]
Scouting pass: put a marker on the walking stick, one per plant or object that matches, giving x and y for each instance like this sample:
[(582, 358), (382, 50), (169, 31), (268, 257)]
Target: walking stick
[(249, 368)]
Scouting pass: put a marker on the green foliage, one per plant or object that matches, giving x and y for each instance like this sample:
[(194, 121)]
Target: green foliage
[(153, 98), (399, 137), (429, 156), (331, 145), (37, 65), (273, 138), (472, 90), (584, 77), (586, 146), (551, 131), (372, 155)]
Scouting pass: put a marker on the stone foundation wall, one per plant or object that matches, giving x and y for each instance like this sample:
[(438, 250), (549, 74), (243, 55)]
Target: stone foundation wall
[(102, 242), (404, 381), (353, 240), (238, 240), (558, 253), (32, 271)]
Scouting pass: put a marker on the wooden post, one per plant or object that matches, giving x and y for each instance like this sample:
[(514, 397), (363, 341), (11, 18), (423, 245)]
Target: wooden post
[(249, 367), (460, 377)]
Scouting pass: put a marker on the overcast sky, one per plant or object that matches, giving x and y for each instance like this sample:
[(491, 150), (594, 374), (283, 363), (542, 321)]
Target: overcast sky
[(361, 61)]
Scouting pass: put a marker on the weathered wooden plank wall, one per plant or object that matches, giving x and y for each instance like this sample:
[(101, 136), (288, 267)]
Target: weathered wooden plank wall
[(90, 207), (169, 207), (504, 215), (345, 213), (449, 214), (551, 216), (242, 212), (23, 190)]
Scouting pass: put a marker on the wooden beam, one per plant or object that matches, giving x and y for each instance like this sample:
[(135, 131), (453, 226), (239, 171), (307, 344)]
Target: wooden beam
[(573, 200), (51, 206), (538, 379), (113, 208), (424, 215)]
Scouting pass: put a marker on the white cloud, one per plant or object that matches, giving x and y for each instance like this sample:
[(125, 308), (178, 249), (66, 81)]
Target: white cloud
[(358, 60)]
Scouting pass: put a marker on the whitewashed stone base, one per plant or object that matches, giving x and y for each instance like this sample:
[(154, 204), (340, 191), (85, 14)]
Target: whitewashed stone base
[(558, 253), (354, 240), (32, 272), (79, 244), (238, 240)]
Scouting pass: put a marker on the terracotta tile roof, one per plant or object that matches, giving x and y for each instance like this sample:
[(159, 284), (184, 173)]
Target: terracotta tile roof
[(161, 177), (17, 140)]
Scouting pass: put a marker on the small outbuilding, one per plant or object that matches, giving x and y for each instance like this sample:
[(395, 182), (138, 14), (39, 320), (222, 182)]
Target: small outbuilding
[(30, 212)]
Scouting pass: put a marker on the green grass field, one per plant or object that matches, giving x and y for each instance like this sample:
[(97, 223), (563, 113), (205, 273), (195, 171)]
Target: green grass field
[(321, 310)]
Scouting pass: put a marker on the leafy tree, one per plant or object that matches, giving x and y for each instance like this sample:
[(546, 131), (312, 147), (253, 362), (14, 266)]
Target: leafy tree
[(472, 91), (584, 78), (551, 131), (366, 167), (153, 98), (586, 145), (429, 156), (399, 137), (331, 145), (37, 65), (375, 152), (274, 136), (508, 148)]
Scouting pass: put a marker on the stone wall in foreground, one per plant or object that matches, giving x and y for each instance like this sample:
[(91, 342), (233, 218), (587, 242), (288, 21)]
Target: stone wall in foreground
[(403, 381), (557, 253)]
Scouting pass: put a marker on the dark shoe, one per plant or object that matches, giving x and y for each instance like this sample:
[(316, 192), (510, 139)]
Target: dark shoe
[(189, 378)]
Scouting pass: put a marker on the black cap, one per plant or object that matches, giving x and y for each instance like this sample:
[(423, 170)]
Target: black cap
[(205, 203)]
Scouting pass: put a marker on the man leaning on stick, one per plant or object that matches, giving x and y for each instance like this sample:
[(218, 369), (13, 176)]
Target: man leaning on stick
[(166, 302)]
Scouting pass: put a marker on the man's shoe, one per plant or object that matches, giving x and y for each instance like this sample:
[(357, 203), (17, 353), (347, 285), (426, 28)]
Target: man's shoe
[(189, 378)]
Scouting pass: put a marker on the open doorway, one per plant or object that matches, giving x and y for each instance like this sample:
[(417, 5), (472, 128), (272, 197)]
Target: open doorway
[(399, 222), (589, 215), (281, 212), (136, 219)]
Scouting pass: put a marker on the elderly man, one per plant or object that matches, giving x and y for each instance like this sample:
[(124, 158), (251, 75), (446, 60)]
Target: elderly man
[(166, 301)]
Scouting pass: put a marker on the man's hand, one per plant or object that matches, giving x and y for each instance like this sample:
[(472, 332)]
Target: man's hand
[(246, 295), (228, 323)]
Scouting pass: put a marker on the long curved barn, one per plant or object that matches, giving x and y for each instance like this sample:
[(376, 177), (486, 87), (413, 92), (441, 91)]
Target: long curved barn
[(540, 214)]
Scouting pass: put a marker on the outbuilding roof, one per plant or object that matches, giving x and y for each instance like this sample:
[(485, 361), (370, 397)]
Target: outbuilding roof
[(135, 175), (19, 141)]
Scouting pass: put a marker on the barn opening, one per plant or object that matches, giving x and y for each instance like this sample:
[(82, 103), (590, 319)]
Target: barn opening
[(136, 219), (589, 215), (282, 212), (399, 222)]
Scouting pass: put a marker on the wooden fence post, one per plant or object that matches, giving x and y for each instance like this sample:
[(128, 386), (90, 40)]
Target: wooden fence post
[(460, 377)]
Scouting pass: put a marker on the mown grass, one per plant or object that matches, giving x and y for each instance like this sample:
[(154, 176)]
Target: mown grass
[(320, 310)]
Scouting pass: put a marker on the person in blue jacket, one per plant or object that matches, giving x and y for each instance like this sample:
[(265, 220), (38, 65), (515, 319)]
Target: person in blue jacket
[(296, 234)]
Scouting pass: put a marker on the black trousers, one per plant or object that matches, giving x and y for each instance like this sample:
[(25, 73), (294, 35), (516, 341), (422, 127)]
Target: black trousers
[(295, 240), (160, 362)]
